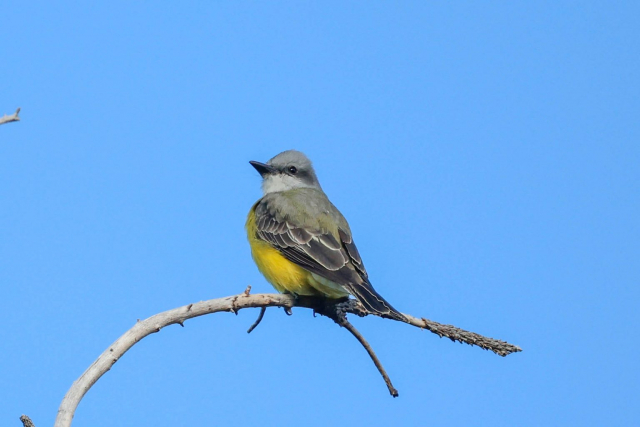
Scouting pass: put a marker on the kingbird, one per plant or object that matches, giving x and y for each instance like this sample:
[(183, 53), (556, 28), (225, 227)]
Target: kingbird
[(300, 241)]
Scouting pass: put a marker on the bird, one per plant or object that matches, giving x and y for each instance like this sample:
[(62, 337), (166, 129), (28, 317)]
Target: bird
[(300, 241)]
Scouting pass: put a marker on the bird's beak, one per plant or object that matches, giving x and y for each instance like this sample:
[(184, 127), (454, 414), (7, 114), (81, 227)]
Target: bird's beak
[(263, 169)]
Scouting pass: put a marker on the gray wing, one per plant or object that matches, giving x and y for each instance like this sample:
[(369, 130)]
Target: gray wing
[(321, 253), (315, 250), (354, 255)]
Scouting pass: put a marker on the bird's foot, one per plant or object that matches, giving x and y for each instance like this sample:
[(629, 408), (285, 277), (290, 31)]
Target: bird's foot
[(287, 310), (351, 306), (340, 309)]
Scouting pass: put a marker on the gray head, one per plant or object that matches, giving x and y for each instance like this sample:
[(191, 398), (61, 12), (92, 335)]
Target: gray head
[(288, 170)]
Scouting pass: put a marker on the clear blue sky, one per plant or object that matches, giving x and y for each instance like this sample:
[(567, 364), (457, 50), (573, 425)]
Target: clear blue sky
[(487, 156)]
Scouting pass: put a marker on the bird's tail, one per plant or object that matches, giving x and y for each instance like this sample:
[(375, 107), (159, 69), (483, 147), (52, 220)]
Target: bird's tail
[(373, 301)]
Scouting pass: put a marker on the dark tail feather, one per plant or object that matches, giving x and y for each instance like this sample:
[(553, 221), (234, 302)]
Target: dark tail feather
[(373, 301)]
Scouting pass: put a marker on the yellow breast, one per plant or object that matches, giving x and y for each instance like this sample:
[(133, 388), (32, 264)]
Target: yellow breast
[(283, 274)]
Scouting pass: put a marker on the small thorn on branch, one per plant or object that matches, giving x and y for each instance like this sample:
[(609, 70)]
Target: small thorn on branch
[(258, 320), (247, 291)]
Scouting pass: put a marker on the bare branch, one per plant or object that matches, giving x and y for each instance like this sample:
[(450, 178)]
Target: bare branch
[(258, 320), (501, 348), (337, 311), (348, 326), (26, 421), (8, 119), (233, 304)]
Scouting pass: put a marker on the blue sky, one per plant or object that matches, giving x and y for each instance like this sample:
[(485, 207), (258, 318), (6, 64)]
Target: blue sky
[(486, 155)]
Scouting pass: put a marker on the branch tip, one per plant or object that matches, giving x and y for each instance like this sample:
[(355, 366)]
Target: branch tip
[(10, 118), (258, 320), (26, 421), (348, 326)]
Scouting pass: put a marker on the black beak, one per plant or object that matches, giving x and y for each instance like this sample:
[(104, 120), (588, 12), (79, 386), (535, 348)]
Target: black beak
[(262, 168)]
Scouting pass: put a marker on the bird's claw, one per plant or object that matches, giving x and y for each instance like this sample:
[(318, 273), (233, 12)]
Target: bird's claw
[(341, 309)]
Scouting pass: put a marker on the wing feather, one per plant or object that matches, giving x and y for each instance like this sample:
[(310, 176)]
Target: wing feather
[(354, 255), (317, 250)]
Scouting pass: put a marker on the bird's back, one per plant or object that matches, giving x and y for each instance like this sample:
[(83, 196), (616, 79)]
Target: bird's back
[(306, 208)]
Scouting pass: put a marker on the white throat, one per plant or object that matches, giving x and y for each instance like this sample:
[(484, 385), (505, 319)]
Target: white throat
[(281, 182)]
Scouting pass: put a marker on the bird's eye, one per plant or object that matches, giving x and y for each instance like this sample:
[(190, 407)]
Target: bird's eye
[(292, 170)]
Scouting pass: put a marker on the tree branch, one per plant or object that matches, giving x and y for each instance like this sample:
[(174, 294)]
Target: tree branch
[(337, 311), (8, 119), (26, 421), (349, 327), (238, 302), (258, 320)]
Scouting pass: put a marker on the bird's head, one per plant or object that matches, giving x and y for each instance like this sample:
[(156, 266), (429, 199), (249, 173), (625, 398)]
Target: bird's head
[(287, 171)]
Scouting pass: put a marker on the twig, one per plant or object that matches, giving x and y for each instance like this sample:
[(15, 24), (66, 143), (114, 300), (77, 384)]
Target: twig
[(258, 320), (501, 348), (26, 421), (337, 311), (8, 119), (348, 326), (234, 303)]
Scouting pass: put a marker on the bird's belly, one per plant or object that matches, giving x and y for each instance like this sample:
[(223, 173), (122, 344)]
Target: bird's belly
[(284, 275)]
